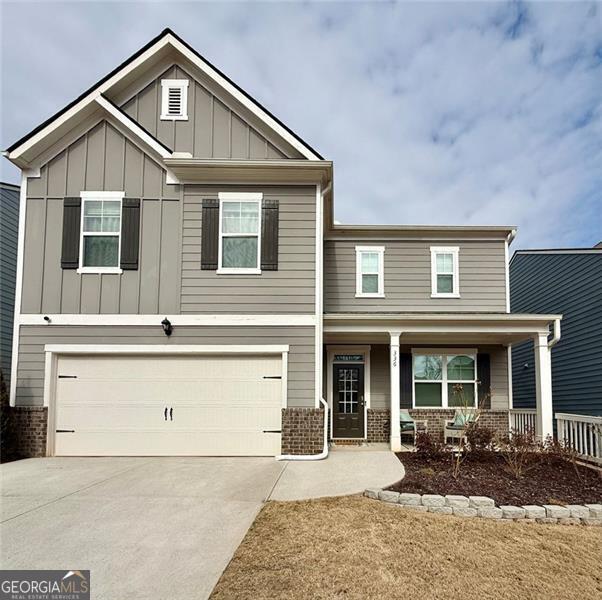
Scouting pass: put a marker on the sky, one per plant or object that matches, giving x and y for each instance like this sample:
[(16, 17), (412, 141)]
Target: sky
[(479, 113)]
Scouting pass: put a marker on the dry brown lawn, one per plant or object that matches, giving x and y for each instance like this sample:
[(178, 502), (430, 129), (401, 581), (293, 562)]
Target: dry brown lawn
[(354, 547)]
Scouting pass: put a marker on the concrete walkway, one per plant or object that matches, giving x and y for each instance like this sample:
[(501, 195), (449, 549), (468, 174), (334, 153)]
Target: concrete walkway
[(158, 527), (345, 471)]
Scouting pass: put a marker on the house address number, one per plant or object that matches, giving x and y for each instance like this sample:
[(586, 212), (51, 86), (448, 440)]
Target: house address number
[(348, 357)]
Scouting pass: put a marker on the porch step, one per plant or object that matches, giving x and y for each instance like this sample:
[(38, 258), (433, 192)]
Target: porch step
[(349, 442)]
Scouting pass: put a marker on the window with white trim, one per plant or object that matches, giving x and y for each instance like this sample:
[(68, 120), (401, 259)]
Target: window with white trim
[(100, 236), (174, 99), (443, 380), (444, 272), (239, 233), (370, 279)]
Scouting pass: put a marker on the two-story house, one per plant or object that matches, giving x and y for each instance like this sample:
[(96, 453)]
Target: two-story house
[(182, 287)]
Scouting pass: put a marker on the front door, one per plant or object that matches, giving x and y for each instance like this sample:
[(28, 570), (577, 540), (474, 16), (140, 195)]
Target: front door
[(348, 401)]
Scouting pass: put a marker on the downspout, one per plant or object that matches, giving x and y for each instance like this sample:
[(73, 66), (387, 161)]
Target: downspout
[(556, 337), (322, 454)]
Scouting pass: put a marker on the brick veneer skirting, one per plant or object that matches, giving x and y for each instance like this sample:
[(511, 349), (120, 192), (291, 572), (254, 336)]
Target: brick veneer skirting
[(435, 418), (29, 426), (302, 430), (379, 424)]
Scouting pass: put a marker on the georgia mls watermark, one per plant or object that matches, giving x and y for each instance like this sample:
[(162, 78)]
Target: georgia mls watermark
[(44, 585)]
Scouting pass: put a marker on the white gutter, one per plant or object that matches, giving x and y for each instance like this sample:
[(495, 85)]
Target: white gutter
[(556, 337), (322, 454)]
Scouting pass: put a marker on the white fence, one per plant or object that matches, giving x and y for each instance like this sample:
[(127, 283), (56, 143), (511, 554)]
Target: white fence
[(522, 419), (582, 433)]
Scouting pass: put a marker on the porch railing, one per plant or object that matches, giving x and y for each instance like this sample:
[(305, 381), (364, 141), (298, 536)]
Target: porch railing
[(582, 433), (522, 419)]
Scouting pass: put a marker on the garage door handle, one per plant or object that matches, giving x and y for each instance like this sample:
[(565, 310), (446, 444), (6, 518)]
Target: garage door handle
[(272, 431), (165, 413), (65, 430), (272, 376), (171, 414)]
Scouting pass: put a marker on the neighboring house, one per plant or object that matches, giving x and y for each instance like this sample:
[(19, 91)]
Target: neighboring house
[(184, 290), (9, 226), (566, 281)]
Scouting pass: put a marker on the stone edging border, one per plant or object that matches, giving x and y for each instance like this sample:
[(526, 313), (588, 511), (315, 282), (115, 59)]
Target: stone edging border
[(484, 507)]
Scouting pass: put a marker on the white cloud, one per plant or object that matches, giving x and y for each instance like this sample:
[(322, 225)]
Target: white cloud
[(433, 113)]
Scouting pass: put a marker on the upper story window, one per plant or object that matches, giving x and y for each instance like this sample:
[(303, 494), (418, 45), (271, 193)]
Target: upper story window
[(443, 380), (369, 272), (239, 233), (174, 99), (100, 236), (445, 281)]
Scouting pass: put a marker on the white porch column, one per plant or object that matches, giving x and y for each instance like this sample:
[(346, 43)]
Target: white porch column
[(543, 385), (395, 383)]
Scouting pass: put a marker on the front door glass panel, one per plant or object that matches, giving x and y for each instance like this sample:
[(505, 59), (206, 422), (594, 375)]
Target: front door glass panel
[(348, 390)]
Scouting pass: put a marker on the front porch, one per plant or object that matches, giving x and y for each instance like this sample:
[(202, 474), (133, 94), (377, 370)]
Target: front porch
[(430, 365)]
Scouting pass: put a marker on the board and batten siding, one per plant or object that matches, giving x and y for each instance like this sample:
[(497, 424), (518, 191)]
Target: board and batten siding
[(212, 130), (407, 277), (9, 227), (289, 290), (301, 361), (103, 159), (380, 392), (571, 285)]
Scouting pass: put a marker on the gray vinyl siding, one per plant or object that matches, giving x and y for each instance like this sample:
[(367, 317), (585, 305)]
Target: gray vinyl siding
[(301, 362), (380, 391), (103, 159), (407, 277), (212, 130), (571, 285), (9, 228), (289, 290)]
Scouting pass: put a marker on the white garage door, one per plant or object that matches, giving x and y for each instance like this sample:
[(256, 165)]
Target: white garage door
[(168, 405)]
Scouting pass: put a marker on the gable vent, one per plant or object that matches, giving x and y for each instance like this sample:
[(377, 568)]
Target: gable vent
[(174, 105), (174, 99)]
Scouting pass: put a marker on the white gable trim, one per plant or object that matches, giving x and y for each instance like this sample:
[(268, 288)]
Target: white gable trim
[(133, 127), (243, 99), (96, 92), (168, 38)]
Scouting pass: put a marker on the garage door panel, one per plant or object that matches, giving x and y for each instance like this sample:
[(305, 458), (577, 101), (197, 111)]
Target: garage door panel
[(241, 418), (222, 405), (188, 443), (168, 368)]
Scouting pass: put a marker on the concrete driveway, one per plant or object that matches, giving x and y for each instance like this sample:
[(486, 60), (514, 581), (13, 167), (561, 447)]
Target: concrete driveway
[(145, 527), (158, 527)]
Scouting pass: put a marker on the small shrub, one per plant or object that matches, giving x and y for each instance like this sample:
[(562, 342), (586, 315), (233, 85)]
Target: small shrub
[(429, 446), (560, 450), (521, 452), (479, 439)]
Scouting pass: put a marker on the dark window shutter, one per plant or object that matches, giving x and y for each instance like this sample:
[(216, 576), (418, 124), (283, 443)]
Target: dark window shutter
[(269, 235), (130, 233), (72, 208), (484, 377), (405, 374), (209, 234)]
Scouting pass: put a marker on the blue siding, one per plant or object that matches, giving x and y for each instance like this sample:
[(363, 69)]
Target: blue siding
[(570, 284), (9, 227)]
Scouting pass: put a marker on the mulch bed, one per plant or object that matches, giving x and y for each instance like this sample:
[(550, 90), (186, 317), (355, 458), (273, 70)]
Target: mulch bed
[(550, 481)]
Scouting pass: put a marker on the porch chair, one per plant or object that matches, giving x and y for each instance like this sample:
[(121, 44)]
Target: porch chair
[(410, 426), (456, 427)]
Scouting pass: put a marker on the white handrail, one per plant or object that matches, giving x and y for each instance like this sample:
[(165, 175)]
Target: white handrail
[(582, 433), (522, 420)]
